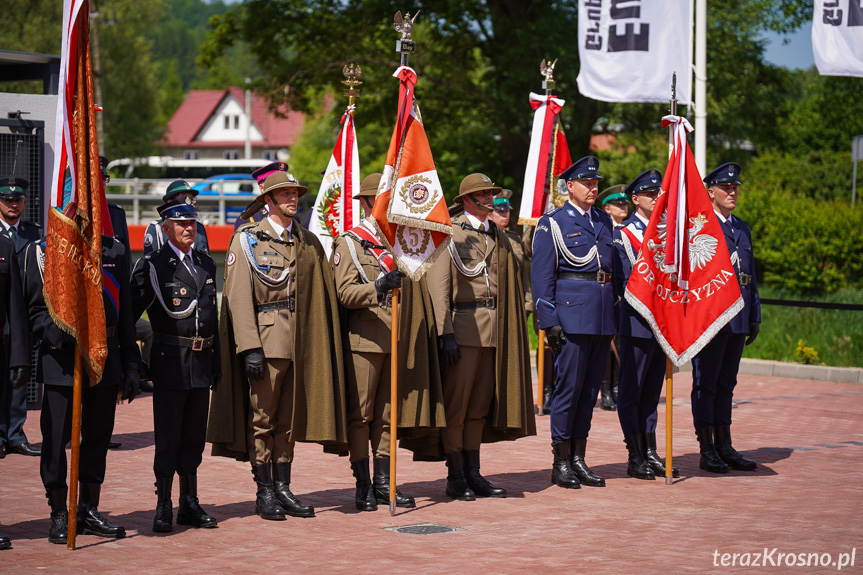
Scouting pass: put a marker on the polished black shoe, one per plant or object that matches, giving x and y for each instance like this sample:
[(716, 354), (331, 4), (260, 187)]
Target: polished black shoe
[(365, 497), (722, 435), (114, 445), (606, 399), (561, 472), (146, 386), (580, 468), (477, 483), (648, 442), (5, 543), (709, 460), (23, 449), (164, 520), (190, 511), (90, 521), (636, 466), (2, 452), (382, 485), (58, 532), (456, 482), (289, 502), (266, 504)]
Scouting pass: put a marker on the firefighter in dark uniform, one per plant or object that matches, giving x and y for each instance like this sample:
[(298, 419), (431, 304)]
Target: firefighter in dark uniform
[(714, 369), (154, 237), (13, 407), (572, 270), (16, 357), (99, 402), (177, 285)]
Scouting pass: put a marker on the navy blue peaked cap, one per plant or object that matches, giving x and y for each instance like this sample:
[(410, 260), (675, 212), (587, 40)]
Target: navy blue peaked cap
[(587, 168), (646, 181), (724, 175)]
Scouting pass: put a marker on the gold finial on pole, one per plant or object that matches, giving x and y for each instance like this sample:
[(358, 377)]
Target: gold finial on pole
[(352, 73)]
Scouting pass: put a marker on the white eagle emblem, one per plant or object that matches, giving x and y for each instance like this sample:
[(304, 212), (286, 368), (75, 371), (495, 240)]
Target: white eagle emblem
[(702, 248)]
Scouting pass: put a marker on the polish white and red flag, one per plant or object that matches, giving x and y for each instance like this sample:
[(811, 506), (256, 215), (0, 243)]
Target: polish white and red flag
[(547, 157), (683, 282), (410, 209), (334, 212)]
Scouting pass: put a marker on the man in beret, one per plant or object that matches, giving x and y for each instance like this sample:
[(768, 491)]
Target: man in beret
[(259, 212), (572, 271), (13, 407), (642, 369), (365, 275), (714, 369), (280, 342), (176, 284), (479, 307), (154, 237)]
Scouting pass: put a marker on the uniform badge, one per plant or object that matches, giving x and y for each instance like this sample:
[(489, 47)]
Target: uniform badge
[(576, 234), (11, 181), (571, 213), (148, 240), (183, 291), (231, 259), (188, 200), (337, 258), (176, 301)]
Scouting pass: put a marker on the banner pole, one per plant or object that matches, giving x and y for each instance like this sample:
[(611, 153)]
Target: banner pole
[(394, 421), (669, 367), (76, 451)]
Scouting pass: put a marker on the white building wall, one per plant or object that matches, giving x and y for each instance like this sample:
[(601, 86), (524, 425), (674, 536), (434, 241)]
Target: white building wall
[(214, 130)]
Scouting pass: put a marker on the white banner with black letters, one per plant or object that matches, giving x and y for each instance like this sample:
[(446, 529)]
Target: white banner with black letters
[(629, 49), (837, 37)]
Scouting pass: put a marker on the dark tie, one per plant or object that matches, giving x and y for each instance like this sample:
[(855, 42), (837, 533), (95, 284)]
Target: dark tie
[(187, 260), (13, 234)]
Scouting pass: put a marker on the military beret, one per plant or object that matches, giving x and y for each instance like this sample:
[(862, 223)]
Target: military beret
[(612, 194), (587, 168), (178, 210), (261, 173), (11, 188), (475, 183), (725, 175), (176, 188), (369, 187), (646, 181)]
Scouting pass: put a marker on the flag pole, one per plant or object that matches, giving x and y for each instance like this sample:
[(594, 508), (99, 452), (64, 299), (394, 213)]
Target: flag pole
[(76, 452), (669, 367)]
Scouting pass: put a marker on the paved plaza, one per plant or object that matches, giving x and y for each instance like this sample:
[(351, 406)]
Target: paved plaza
[(807, 437)]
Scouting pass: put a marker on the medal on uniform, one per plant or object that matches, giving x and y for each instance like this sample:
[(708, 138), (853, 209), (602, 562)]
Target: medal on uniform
[(176, 302), (183, 291)]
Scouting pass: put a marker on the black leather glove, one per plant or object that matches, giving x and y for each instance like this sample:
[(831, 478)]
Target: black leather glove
[(216, 378), (449, 349), (19, 376), (131, 385), (253, 359), (754, 328), (555, 337), (389, 281)]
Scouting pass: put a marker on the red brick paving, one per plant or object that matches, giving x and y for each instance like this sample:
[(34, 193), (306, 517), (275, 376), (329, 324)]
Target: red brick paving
[(800, 501)]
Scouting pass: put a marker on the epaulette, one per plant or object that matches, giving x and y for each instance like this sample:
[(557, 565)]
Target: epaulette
[(246, 226), (554, 211)]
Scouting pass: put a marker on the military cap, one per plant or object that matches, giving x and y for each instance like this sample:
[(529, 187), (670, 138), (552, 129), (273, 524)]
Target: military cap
[(103, 164), (176, 188), (587, 168), (475, 183), (725, 175), (369, 187), (11, 188), (261, 173), (612, 194), (501, 201), (274, 181), (178, 210), (646, 181)]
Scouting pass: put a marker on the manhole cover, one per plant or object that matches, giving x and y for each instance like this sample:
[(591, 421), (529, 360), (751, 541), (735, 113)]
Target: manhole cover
[(424, 529)]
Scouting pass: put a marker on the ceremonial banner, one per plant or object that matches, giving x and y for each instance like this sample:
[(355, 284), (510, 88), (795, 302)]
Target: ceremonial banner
[(73, 252), (547, 158), (837, 37), (683, 282), (410, 210), (628, 50), (334, 211)]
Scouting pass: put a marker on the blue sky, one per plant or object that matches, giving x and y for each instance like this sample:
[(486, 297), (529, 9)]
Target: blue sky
[(796, 54)]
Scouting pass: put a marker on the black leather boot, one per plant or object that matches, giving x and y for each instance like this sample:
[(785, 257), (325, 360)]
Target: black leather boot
[(59, 530), (365, 497), (561, 472), (90, 521), (636, 466), (382, 485), (478, 484), (266, 504), (728, 454), (580, 468), (163, 522), (456, 482), (607, 401), (190, 512), (648, 442), (710, 460), (5, 543), (289, 502)]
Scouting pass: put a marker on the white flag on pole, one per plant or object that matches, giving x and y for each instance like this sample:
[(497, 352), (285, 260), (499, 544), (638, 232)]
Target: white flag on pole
[(837, 37), (628, 50)]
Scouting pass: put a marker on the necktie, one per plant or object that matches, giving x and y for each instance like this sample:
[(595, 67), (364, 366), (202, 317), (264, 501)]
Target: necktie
[(589, 219), (13, 233), (286, 235), (187, 260)]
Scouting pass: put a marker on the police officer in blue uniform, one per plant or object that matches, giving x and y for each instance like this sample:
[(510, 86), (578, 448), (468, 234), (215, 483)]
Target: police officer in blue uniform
[(154, 237), (177, 285), (642, 361), (714, 369), (13, 407), (572, 271)]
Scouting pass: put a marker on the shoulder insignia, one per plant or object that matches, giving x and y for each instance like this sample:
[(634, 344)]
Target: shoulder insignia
[(232, 257), (148, 240), (337, 257)]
